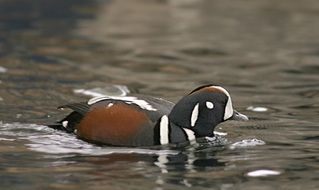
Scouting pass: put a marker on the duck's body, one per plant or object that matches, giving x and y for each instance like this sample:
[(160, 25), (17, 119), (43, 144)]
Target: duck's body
[(120, 121), (147, 121)]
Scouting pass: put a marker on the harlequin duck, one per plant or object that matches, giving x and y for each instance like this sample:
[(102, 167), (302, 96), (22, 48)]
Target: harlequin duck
[(147, 121)]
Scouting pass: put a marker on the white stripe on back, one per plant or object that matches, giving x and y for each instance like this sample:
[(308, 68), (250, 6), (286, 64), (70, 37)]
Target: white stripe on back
[(127, 99)]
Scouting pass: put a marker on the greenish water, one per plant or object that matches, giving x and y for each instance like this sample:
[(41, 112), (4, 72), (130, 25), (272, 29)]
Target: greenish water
[(266, 53)]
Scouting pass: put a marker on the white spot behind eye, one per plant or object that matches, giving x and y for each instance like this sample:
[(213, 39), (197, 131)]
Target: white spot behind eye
[(194, 115), (209, 105)]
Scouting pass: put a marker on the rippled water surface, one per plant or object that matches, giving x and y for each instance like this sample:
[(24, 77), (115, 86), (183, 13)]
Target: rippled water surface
[(266, 53)]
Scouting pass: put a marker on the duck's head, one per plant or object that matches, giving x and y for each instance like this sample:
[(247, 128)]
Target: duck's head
[(203, 109)]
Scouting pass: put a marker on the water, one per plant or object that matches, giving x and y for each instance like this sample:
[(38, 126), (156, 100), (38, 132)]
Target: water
[(265, 53)]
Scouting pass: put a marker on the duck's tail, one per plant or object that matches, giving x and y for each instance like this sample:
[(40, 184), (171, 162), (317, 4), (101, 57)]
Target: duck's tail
[(68, 124)]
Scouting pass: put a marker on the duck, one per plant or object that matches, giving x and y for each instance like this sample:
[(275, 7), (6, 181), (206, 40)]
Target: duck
[(137, 121)]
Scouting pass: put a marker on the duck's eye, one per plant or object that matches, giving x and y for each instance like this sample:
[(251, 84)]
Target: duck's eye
[(209, 105)]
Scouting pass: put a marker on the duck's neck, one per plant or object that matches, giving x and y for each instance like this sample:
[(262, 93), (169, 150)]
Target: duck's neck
[(166, 132)]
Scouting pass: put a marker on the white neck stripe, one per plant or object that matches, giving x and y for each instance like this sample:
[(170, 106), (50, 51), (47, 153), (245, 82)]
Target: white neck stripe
[(190, 134)]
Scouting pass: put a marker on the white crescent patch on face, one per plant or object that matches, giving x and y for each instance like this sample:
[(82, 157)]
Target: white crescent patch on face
[(229, 107)]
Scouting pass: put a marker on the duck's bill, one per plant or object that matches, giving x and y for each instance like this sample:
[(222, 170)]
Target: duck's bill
[(238, 116)]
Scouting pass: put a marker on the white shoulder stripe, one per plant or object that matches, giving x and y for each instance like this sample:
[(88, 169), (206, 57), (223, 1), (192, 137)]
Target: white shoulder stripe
[(164, 130), (127, 99), (194, 115), (190, 134)]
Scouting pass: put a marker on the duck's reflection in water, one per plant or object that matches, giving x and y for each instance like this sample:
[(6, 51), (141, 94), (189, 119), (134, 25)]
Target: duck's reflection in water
[(186, 163), (173, 165), (172, 168)]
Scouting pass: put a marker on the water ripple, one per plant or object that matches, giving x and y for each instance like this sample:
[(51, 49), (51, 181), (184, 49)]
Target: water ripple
[(43, 139)]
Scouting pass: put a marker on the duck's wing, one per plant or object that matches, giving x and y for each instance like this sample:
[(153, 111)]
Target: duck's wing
[(81, 107)]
